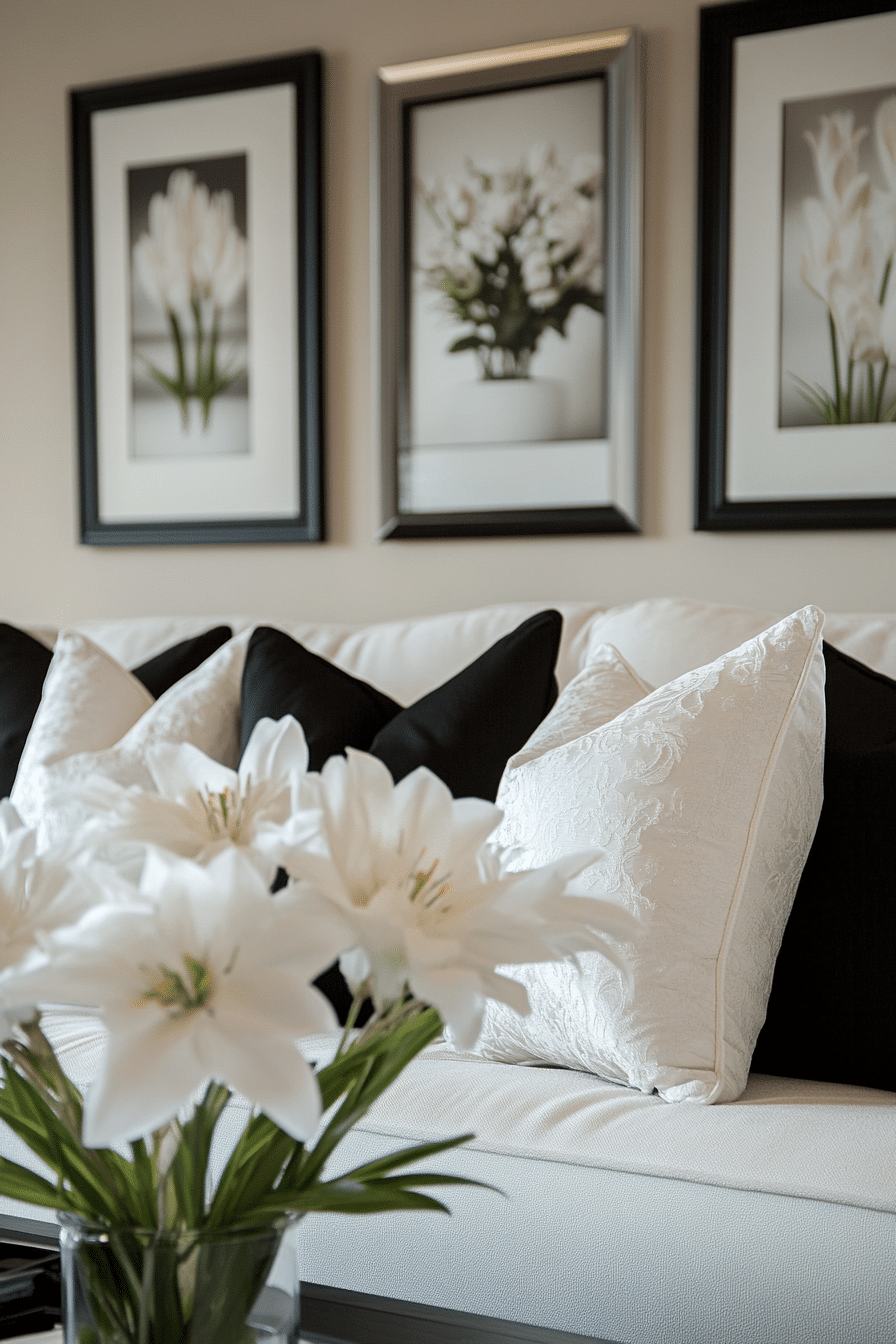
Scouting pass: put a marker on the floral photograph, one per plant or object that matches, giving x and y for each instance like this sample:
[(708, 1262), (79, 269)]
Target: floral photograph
[(838, 291), (506, 283), (189, 308)]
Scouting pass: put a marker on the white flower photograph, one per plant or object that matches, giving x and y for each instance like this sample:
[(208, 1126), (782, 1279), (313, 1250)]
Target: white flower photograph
[(507, 336), (838, 294), (189, 311), (199, 304)]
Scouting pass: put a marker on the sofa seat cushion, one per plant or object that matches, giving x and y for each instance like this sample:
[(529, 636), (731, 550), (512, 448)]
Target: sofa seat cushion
[(819, 1141), (771, 1218)]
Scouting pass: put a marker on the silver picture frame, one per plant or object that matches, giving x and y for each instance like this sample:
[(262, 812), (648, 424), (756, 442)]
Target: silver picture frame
[(583, 477)]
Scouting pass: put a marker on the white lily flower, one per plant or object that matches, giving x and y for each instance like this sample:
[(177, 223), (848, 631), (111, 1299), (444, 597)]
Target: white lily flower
[(423, 904), (202, 807), (835, 152), (37, 895), (199, 974), (857, 317), (885, 138), (219, 255), (162, 261), (537, 272), (193, 249), (837, 264)]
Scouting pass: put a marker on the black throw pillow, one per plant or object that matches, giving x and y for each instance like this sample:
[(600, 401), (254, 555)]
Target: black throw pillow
[(465, 731), (23, 667), (832, 1011), (160, 673), (24, 662)]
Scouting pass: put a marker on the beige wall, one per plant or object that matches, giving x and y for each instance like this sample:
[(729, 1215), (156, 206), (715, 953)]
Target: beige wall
[(48, 45)]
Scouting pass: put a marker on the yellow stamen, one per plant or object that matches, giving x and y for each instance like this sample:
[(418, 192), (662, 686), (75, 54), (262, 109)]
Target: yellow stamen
[(171, 990)]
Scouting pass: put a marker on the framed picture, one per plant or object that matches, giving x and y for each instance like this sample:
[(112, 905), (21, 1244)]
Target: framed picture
[(508, 256), (197, 226), (797, 286)]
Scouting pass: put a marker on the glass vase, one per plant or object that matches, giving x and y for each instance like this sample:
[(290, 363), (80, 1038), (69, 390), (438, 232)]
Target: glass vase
[(156, 1287)]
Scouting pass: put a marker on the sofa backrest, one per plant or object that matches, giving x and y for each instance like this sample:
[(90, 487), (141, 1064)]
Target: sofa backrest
[(660, 637)]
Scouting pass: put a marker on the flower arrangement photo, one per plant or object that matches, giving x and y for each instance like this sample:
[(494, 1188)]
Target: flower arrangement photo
[(186, 924), (848, 242), (519, 246)]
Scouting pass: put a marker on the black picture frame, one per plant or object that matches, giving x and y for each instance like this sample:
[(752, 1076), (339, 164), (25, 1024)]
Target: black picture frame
[(400, 93), (720, 303), (265, 115)]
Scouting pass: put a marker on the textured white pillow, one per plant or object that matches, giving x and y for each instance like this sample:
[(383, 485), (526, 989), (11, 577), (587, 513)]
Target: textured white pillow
[(604, 688), (96, 718), (705, 796)]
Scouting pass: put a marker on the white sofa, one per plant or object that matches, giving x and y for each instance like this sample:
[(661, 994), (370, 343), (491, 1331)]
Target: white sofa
[(769, 1220)]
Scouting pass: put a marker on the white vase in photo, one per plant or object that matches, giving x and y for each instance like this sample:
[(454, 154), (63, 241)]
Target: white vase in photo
[(507, 410)]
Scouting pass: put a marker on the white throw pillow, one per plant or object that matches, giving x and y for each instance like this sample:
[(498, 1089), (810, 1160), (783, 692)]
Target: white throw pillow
[(96, 718), (604, 688), (705, 796)]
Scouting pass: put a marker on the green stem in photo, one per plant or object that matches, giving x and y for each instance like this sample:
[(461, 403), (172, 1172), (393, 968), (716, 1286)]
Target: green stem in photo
[(199, 375), (835, 355), (846, 417), (180, 385), (879, 400), (210, 387)]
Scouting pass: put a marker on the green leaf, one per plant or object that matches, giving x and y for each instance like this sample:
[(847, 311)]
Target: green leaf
[(357, 1197), (19, 1183), (403, 1157), (189, 1168), (467, 343), (251, 1172)]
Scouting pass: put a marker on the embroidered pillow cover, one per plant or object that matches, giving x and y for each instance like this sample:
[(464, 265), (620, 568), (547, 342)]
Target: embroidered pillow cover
[(25, 661), (95, 717), (705, 797)]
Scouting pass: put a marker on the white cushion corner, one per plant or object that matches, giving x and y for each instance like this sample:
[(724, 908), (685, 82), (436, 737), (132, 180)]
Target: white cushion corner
[(74, 736)]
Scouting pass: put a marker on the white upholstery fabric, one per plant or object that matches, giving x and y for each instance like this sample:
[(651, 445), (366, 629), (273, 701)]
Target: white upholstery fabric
[(704, 798), (604, 688), (771, 1220), (88, 703), (96, 718), (660, 637), (406, 659)]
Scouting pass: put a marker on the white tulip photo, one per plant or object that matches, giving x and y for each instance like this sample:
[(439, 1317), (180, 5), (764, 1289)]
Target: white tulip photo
[(189, 262), (838, 309)]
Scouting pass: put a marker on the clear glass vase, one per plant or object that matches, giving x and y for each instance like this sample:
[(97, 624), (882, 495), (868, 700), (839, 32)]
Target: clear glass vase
[(150, 1287)]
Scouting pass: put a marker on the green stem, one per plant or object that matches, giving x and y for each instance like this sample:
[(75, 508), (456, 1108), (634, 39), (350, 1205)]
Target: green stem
[(199, 378), (846, 415), (879, 401), (183, 390), (886, 276), (360, 995), (838, 394)]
